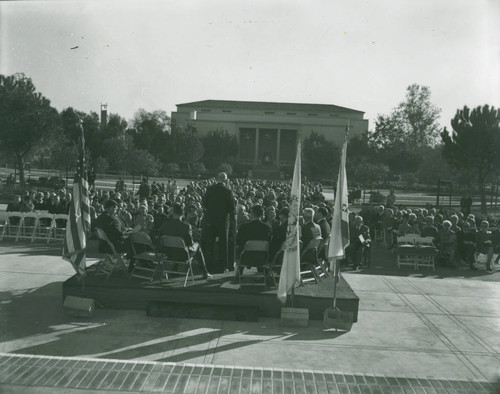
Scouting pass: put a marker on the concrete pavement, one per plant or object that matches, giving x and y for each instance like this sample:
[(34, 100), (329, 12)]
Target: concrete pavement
[(440, 326)]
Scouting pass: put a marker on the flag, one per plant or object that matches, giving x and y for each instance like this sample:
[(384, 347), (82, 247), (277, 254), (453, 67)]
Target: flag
[(339, 235), (290, 269), (75, 240)]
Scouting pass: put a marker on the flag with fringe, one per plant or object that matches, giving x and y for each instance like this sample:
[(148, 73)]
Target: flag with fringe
[(290, 269), (78, 224)]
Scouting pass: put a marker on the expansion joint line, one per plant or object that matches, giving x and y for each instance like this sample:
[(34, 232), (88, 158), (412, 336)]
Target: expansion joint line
[(439, 334), (485, 345)]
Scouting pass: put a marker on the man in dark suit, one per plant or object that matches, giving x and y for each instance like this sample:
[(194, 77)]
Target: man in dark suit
[(177, 228), (255, 229), (111, 225), (218, 203), (359, 242), (322, 223), (279, 234)]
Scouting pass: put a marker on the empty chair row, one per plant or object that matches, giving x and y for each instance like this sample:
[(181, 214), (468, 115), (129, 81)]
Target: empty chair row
[(33, 226)]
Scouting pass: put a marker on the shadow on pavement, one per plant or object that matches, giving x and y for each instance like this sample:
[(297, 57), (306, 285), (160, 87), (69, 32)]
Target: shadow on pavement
[(34, 322)]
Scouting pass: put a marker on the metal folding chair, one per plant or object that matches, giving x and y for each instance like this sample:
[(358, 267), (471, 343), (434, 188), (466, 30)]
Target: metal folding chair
[(59, 229), (45, 225), (13, 225), (309, 259), (28, 224), (147, 263), (255, 253), (177, 258)]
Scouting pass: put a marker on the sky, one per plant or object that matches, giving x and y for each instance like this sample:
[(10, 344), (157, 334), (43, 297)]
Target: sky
[(153, 55)]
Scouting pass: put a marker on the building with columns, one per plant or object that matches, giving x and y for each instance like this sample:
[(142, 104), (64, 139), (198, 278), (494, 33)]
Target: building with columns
[(267, 132)]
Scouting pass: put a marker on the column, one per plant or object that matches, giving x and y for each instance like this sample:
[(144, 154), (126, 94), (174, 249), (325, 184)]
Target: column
[(256, 158), (278, 149)]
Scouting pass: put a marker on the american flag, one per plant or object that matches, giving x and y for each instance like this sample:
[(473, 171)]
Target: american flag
[(78, 223)]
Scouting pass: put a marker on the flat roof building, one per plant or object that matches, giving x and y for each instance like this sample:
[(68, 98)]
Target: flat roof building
[(267, 131)]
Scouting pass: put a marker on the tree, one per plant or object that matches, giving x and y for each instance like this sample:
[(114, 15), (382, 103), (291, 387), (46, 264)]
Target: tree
[(26, 117), (150, 131), (413, 124), (321, 157), (185, 146), (115, 126), (219, 146), (474, 144)]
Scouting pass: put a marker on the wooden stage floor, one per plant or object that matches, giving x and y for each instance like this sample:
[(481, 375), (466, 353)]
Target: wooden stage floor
[(221, 293)]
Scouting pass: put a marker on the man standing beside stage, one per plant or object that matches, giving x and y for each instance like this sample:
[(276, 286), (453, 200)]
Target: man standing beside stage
[(218, 203)]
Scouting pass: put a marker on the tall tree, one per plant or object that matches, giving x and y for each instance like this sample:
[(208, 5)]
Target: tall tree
[(150, 131), (219, 147), (186, 147), (413, 124), (321, 157), (410, 128), (26, 117), (474, 144)]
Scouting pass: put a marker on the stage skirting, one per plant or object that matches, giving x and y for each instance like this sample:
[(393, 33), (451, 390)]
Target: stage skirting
[(123, 292)]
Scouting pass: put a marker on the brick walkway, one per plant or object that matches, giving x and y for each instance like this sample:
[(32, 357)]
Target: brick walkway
[(146, 377)]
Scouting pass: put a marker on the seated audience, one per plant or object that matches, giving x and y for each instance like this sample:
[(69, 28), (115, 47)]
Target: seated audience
[(484, 244)]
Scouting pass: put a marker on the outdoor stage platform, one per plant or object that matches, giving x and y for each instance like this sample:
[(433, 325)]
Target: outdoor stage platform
[(220, 298)]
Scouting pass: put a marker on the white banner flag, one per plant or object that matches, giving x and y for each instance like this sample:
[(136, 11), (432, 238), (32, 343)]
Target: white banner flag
[(339, 235), (290, 270)]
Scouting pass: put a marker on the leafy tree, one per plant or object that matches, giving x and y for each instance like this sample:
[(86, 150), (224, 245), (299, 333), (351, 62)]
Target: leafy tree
[(474, 144), (219, 146), (117, 151), (172, 168), (321, 157), (413, 124), (26, 117), (367, 173), (115, 127), (187, 147), (141, 162), (101, 164), (434, 167), (150, 131)]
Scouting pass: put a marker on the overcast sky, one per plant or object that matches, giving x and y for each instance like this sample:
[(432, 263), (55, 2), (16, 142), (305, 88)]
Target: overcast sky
[(155, 54)]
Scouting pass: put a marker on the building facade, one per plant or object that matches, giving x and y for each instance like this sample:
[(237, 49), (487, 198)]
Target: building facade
[(267, 132)]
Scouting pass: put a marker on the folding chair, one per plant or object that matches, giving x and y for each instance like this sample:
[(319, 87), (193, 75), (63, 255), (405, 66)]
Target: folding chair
[(309, 260), (255, 253), (59, 229), (147, 262), (13, 225), (113, 260), (28, 223), (406, 251), (45, 225), (426, 252), (178, 258)]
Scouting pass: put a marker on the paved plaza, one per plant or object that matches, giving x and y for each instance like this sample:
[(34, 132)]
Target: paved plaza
[(418, 332)]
